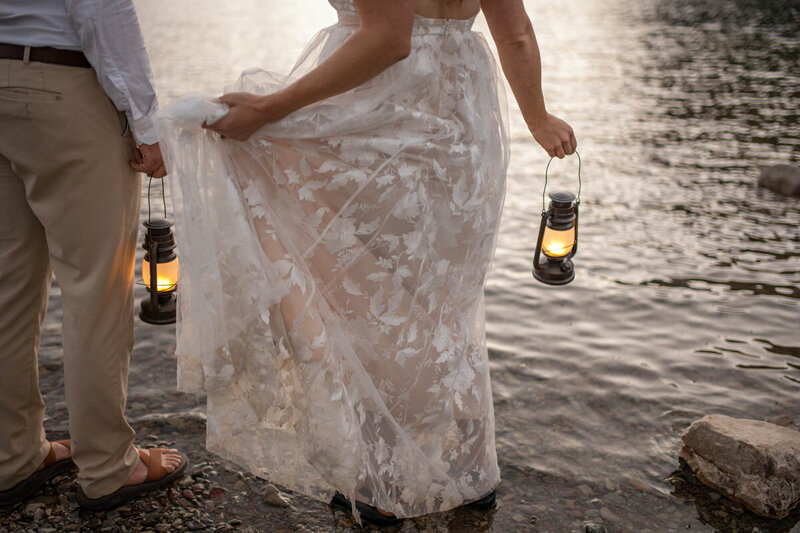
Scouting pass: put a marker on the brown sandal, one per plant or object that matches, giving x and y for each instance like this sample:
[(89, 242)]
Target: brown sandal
[(50, 468), (157, 477)]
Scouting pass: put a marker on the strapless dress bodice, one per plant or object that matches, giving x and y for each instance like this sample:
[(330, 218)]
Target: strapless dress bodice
[(348, 16)]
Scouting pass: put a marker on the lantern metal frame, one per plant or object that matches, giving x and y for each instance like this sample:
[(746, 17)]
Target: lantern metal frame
[(160, 307), (557, 270)]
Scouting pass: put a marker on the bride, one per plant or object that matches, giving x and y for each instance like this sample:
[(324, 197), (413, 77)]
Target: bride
[(336, 227)]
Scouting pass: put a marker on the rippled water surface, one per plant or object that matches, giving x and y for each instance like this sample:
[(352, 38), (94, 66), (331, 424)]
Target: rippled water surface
[(687, 295)]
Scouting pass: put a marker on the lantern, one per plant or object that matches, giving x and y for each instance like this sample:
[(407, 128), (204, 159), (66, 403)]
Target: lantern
[(558, 235), (159, 269)]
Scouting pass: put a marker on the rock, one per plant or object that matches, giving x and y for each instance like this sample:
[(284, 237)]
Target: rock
[(194, 525), (273, 496), (750, 461), (782, 179), (31, 508), (591, 527), (609, 515), (216, 493)]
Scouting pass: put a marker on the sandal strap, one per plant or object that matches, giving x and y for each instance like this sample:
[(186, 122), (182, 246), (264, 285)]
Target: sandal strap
[(50, 460), (152, 459)]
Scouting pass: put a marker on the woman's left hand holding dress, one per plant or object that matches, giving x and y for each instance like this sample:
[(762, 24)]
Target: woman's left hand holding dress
[(247, 114)]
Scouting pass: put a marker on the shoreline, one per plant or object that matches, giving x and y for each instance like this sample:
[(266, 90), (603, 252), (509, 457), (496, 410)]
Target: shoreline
[(218, 496)]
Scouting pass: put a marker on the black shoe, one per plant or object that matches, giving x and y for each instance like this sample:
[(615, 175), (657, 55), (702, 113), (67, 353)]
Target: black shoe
[(484, 503), (368, 513)]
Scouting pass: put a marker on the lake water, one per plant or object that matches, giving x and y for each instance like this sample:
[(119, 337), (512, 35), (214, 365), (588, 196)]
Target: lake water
[(687, 295)]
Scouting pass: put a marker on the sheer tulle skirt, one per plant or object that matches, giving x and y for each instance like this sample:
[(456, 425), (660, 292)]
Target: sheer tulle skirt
[(331, 293)]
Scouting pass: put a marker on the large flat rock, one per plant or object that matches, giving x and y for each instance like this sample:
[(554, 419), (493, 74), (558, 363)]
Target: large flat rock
[(753, 462)]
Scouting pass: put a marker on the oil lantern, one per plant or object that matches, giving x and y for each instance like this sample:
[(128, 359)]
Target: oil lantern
[(159, 268), (558, 235)]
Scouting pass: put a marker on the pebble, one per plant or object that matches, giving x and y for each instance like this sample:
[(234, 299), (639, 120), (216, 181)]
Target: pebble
[(517, 517), (592, 527), (186, 481), (194, 525), (609, 515), (216, 493), (272, 496)]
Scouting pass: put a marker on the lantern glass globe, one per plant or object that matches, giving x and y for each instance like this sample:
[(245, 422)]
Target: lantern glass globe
[(167, 274), (558, 243)]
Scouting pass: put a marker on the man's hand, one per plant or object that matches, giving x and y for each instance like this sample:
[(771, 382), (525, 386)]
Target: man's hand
[(147, 158), (555, 136)]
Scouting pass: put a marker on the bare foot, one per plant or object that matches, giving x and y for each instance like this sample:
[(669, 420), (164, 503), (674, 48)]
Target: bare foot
[(170, 460), (61, 451)]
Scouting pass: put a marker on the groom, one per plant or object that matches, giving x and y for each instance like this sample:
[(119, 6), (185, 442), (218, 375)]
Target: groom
[(76, 97)]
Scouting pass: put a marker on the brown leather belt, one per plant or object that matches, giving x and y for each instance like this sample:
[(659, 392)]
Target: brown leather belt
[(45, 54)]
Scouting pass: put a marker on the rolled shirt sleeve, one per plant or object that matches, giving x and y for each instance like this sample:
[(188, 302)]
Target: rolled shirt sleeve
[(112, 42)]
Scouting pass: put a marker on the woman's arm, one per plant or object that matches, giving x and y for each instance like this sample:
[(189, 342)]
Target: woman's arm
[(519, 56), (383, 39)]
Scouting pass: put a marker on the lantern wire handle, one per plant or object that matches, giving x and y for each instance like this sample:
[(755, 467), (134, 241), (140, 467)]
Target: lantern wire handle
[(163, 198), (546, 170)]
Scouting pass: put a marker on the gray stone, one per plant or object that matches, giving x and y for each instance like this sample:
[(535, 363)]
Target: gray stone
[(186, 481), (591, 527), (273, 496), (753, 462), (609, 515), (31, 508), (782, 179)]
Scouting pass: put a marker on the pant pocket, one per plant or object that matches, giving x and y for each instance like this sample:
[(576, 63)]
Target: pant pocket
[(25, 94)]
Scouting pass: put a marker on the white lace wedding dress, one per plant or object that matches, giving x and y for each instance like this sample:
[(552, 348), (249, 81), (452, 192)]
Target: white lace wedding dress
[(332, 274)]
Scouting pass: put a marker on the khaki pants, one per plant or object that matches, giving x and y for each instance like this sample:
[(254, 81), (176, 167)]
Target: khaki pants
[(70, 203)]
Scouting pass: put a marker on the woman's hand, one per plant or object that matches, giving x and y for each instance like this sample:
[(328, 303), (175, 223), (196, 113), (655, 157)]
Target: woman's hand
[(555, 136), (247, 114)]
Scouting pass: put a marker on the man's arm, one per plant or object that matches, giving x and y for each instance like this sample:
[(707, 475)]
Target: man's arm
[(518, 49), (112, 42)]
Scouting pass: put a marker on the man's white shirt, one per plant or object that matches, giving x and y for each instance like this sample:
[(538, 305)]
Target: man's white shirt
[(108, 33)]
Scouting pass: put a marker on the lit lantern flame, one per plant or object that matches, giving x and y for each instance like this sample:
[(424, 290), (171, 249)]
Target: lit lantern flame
[(167, 276), (558, 243)]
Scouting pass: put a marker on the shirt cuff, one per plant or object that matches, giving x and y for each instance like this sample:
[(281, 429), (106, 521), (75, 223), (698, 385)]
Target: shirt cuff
[(144, 131)]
